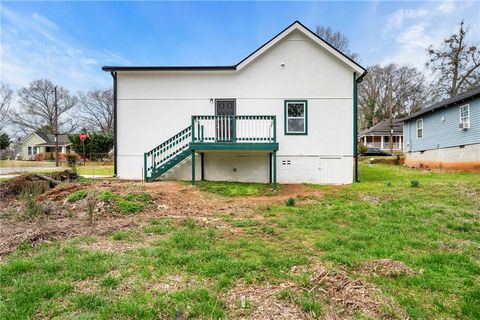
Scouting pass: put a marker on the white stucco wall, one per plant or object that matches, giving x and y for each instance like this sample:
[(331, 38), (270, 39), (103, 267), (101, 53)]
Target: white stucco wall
[(153, 106)]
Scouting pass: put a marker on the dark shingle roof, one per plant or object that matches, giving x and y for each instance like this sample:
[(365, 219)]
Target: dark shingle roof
[(460, 98), (50, 139), (383, 128)]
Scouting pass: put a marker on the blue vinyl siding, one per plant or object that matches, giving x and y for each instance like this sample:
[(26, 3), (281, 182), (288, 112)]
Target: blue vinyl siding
[(443, 134)]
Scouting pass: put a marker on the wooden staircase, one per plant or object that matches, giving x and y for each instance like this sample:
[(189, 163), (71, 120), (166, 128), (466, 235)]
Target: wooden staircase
[(163, 158), (212, 133)]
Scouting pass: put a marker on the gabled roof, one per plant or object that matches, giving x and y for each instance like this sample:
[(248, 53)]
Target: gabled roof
[(49, 139), (460, 98), (297, 25), (383, 128)]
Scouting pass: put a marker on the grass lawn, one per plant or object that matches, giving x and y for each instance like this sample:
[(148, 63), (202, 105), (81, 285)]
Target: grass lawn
[(95, 168), (25, 163), (433, 228), (90, 168), (235, 189)]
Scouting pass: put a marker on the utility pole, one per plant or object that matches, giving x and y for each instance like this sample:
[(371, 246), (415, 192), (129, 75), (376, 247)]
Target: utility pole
[(56, 127), (390, 115)]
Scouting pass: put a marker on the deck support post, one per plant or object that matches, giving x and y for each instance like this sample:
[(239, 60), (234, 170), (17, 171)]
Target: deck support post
[(275, 170), (193, 167), (270, 167), (145, 178), (202, 163)]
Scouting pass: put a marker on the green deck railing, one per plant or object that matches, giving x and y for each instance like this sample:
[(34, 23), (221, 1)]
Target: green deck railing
[(235, 128)]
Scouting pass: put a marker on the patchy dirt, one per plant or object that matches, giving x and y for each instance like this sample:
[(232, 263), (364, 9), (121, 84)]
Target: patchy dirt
[(261, 302), (170, 199), (350, 296), (385, 268), (176, 282), (110, 245), (346, 297)]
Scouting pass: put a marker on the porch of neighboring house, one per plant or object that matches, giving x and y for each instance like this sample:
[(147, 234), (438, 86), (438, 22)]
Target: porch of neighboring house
[(213, 134), (45, 152), (382, 142)]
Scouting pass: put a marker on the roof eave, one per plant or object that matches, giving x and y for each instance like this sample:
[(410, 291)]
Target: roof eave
[(167, 68)]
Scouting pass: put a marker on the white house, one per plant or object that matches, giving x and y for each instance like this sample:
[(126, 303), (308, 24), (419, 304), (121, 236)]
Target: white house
[(378, 135), (285, 113)]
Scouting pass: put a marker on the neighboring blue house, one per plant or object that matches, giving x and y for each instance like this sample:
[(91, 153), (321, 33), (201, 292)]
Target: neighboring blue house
[(445, 135)]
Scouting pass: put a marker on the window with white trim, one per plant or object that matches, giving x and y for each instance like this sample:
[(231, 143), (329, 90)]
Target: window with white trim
[(419, 128), (29, 151), (465, 116), (296, 117)]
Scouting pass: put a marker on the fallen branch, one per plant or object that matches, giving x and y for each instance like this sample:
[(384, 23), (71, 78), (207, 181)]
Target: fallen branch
[(53, 182)]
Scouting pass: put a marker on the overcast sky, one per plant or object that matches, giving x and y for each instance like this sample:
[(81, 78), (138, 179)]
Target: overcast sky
[(68, 42)]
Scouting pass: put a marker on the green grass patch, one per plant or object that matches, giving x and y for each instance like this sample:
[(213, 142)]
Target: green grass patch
[(236, 189), (121, 235), (125, 206), (77, 195), (126, 203)]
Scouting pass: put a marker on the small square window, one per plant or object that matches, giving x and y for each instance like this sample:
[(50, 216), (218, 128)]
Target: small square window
[(296, 117)]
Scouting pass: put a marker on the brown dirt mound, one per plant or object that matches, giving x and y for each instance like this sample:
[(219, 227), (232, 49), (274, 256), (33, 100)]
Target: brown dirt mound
[(33, 183), (385, 268)]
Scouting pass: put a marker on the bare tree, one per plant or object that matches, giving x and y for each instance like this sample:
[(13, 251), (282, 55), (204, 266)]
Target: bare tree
[(337, 40), (390, 92), (456, 64), (37, 108), (6, 95), (97, 110)]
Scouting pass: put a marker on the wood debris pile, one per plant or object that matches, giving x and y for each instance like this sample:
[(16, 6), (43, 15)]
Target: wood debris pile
[(350, 296)]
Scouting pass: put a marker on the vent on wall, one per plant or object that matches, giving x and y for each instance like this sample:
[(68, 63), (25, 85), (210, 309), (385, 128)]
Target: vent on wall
[(285, 162)]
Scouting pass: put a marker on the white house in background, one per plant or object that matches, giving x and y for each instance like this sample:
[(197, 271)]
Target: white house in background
[(285, 113), (378, 136)]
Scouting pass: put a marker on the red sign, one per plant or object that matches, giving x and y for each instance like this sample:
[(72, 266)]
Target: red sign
[(83, 136)]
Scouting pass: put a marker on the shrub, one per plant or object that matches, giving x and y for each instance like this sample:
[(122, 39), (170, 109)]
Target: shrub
[(389, 183), (96, 144), (77, 195), (72, 161), (29, 193), (32, 207), (414, 183), (290, 202), (362, 149)]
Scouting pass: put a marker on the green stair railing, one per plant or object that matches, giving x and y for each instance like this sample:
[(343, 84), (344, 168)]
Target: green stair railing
[(165, 156)]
